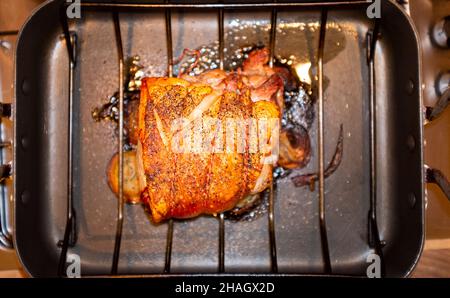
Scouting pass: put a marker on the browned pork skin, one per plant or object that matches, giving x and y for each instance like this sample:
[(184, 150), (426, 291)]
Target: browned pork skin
[(186, 184)]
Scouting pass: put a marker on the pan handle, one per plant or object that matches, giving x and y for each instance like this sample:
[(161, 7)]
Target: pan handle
[(432, 113), (437, 177)]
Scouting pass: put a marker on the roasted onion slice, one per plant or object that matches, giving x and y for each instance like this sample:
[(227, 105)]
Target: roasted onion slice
[(131, 188), (295, 148)]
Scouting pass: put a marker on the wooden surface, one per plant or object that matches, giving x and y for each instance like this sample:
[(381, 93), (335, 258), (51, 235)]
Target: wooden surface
[(433, 263), (12, 274)]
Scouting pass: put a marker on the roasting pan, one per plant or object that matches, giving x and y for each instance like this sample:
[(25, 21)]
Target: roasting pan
[(373, 204)]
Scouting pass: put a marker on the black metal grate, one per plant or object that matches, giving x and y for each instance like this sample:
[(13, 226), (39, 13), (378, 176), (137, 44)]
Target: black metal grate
[(372, 36)]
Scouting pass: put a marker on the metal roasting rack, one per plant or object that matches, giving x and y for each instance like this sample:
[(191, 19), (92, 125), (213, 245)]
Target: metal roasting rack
[(373, 238)]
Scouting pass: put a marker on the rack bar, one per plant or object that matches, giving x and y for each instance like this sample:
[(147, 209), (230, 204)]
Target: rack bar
[(221, 216), (221, 41), (374, 236), (372, 39), (323, 227), (169, 42), (120, 202), (65, 27), (111, 6), (169, 241), (271, 217), (372, 134), (272, 239), (221, 243), (70, 228), (70, 234), (273, 35)]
